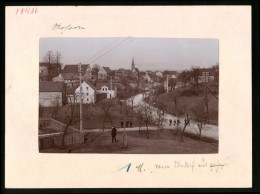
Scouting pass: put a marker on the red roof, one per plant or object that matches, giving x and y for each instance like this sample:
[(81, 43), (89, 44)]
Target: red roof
[(75, 68)]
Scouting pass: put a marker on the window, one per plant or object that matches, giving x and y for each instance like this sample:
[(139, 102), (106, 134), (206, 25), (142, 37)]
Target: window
[(87, 99), (87, 88), (87, 94)]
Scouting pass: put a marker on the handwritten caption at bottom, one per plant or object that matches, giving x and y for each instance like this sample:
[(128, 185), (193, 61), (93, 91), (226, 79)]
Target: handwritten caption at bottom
[(191, 165)]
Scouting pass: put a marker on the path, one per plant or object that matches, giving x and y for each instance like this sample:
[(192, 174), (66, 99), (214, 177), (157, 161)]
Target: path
[(210, 131)]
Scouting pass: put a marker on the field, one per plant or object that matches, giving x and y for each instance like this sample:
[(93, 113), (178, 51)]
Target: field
[(166, 143)]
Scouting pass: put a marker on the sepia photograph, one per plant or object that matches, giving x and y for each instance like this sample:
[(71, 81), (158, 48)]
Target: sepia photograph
[(128, 95)]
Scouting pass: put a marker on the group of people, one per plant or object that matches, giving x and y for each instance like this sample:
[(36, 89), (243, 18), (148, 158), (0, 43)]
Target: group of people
[(177, 122), (126, 124)]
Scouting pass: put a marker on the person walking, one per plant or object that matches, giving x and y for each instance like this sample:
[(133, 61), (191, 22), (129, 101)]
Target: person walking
[(131, 123), (113, 134), (122, 124)]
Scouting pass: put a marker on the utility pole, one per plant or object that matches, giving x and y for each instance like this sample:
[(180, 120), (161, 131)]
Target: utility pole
[(167, 84), (80, 95)]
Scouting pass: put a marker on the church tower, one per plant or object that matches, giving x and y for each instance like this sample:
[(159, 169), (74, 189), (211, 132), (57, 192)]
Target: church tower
[(133, 65)]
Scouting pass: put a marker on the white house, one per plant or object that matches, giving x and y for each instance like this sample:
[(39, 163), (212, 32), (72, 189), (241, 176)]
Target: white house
[(205, 75), (159, 74), (104, 73), (147, 77), (88, 93), (50, 93), (107, 89)]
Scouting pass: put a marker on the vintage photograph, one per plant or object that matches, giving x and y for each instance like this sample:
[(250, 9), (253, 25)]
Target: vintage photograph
[(128, 95)]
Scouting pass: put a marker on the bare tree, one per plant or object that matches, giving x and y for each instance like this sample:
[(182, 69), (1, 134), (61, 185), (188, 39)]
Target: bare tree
[(186, 122), (49, 57), (71, 116), (161, 107), (172, 83), (57, 60), (139, 115), (56, 102), (131, 99), (106, 106), (199, 123), (195, 73), (147, 116)]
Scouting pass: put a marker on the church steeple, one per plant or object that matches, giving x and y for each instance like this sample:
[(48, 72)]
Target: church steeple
[(133, 65)]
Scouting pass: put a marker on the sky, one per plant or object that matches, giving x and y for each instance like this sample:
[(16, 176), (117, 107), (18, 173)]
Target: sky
[(148, 53)]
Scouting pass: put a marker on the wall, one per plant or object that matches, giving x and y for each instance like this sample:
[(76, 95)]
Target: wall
[(72, 138)]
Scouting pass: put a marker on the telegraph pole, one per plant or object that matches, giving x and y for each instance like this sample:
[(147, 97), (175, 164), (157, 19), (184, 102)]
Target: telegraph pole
[(167, 84), (80, 95)]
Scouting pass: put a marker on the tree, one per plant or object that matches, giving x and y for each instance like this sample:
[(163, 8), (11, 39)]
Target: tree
[(57, 60), (131, 99), (139, 115), (172, 83), (106, 106), (56, 102), (147, 116), (71, 116), (199, 123), (161, 107), (186, 122), (195, 73), (185, 77), (49, 57)]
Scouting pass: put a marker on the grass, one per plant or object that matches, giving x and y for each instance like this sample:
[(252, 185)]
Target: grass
[(188, 99), (166, 143), (95, 118)]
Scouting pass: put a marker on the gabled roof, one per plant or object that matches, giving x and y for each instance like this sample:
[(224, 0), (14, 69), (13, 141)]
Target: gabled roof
[(70, 76), (50, 86), (72, 89), (90, 85), (107, 69), (75, 68)]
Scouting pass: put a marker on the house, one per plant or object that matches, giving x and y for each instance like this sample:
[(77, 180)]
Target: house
[(70, 78), (206, 75), (51, 93), (159, 74), (88, 93), (104, 73), (47, 71), (147, 77), (109, 89)]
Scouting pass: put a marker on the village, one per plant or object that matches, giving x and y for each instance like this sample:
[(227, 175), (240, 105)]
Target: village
[(147, 109)]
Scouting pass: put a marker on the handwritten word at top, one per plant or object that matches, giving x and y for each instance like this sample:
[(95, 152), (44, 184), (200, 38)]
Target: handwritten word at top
[(22, 11), (65, 28)]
